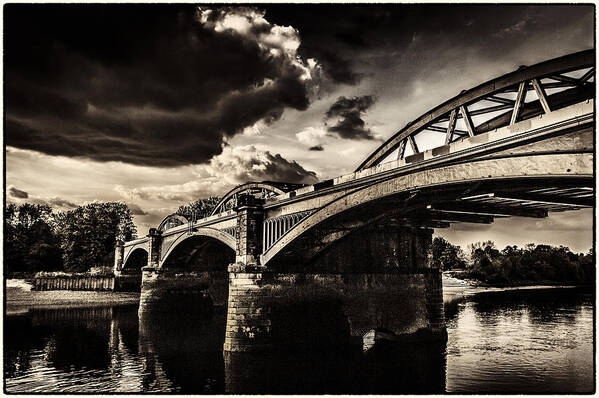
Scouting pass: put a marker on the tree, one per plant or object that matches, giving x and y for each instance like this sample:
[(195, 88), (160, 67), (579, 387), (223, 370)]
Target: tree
[(89, 233), (531, 264), (201, 207), (482, 253), (446, 255), (30, 240)]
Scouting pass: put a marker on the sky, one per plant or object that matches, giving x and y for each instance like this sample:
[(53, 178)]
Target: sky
[(159, 105)]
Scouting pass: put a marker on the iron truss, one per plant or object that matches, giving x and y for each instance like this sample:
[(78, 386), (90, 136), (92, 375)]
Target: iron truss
[(520, 95)]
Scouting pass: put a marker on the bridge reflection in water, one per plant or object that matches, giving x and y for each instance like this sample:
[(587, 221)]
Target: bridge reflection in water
[(114, 350), (503, 342)]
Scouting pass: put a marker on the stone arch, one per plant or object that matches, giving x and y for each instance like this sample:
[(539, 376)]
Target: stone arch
[(211, 233), (197, 264), (135, 261), (531, 167)]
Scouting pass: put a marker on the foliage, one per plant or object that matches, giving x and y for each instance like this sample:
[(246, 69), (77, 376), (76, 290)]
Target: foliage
[(89, 233), (201, 207), (36, 239), (30, 242), (533, 263), (447, 256), (101, 270)]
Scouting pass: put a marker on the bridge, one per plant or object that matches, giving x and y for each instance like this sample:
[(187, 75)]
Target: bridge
[(333, 261)]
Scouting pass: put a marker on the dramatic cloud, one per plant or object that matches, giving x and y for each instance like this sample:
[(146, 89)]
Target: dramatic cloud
[(348, 112), (313, 137), (234, 166), (158, 85), (238, 165), (17, 193), (349, 39)]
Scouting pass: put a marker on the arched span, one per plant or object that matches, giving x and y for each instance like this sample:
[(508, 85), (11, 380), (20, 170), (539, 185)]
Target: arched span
[(135, 261), (498, 102), (131, 253), (539, 167), (276, 188), (220, 236), (171, 221)]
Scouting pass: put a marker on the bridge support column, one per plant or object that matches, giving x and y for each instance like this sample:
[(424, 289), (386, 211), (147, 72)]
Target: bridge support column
[(381, 286), (119, 252), (123, 281)]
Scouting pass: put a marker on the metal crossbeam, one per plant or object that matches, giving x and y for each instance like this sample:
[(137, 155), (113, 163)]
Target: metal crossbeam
[(587, 75), (500, 100), (566, 79), (401, 150), (413, 144), (541, 94), (518, 103), (460, 217), (450, 127), (548, 199), (467, 120), (477, 208)]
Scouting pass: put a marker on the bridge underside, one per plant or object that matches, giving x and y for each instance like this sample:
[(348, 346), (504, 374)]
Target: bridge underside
[(439, 207)]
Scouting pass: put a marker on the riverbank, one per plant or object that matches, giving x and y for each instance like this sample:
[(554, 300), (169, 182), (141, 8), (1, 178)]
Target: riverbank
[(20, 298), (455, 289)]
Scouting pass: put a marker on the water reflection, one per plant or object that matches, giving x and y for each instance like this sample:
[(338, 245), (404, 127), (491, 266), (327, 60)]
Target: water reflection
[(537, 342), (523, 341)]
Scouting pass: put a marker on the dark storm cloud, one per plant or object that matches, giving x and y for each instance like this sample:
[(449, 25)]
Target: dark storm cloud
[(145, 84), (17, 193), (162, 85), (345, 38), (349, 112)]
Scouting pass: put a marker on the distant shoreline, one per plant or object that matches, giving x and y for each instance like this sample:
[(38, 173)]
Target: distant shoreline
[(20, 299), (457, 289)]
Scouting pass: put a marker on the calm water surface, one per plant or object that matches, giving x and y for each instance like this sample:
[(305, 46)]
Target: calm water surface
[(536, 341)]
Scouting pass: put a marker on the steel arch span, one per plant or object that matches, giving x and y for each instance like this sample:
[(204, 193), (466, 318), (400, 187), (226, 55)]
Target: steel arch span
[(264, 189), (525, 93)]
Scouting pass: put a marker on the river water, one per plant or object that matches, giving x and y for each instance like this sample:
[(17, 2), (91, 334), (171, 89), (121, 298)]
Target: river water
[(516, 342)]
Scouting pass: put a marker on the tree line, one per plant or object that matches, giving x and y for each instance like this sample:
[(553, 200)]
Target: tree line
[(38, 239), (515, 265)]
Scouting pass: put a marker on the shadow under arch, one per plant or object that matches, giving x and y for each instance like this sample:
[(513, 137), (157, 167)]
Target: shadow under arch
[(135, 261), (129, 277), (208, 234), (192, 279)]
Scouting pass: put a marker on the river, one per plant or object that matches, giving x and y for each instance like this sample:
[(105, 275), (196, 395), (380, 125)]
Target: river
[(527, 341)]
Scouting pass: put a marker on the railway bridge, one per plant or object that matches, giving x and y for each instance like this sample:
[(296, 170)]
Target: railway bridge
[(334, 261)]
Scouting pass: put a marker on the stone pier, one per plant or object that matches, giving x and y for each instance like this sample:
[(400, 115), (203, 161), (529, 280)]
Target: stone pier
[(375, 284), (192, 279)]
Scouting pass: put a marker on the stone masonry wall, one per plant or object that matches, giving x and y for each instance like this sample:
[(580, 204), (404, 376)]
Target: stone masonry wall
[(321, 310)]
